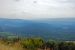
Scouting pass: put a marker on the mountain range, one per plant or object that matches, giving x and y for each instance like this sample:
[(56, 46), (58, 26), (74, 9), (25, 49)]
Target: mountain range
[(53, 28)]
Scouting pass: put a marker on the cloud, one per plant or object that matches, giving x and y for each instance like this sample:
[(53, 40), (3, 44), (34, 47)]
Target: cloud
[(37, 8), (16, 0)]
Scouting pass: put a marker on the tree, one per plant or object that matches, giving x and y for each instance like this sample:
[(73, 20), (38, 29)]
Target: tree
[(51, 44), (32, 43), (38, 42)]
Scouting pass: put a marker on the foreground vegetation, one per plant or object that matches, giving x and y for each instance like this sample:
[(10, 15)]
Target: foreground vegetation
[(35, 44)]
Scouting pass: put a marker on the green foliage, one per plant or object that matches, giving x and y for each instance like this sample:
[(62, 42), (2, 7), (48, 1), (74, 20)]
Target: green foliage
[(67, 46), (38, 42), (28, 43), (34, 43)]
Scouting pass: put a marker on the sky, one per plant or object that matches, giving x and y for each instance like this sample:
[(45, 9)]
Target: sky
[(31, 9)]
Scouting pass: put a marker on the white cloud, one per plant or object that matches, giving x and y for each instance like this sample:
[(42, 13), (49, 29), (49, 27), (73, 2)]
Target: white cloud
[(41, 9)]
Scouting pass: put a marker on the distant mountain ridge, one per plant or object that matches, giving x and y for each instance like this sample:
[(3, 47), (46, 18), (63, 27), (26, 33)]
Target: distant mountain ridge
[(61, 29)]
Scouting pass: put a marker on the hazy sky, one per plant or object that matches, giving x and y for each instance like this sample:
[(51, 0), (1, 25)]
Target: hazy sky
[(28, 9)]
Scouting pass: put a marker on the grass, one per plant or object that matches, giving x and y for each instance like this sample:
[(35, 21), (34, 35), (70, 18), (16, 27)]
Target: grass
[(15, 46)]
